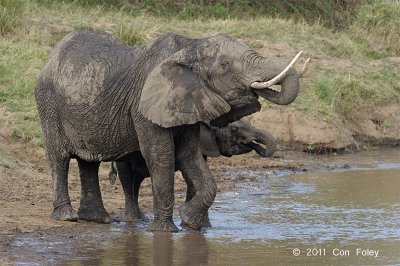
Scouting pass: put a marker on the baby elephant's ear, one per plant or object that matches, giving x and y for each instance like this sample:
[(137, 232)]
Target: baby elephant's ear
[(208, 144), (174, 95)]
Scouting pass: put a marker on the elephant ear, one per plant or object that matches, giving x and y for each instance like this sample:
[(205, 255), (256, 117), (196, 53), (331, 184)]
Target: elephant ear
[(174, 94), (208, 145)]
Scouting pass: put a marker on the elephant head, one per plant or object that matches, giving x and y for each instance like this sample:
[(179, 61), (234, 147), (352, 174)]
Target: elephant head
[(215, 80), (236, 138)]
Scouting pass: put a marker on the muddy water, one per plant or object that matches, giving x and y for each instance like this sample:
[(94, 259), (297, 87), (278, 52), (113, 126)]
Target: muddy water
[(337, 216)]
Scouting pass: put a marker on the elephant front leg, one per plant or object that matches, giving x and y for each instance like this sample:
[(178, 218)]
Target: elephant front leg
[(194, 213), (91, 205), (157, 148), (202, 188), (190, 192)]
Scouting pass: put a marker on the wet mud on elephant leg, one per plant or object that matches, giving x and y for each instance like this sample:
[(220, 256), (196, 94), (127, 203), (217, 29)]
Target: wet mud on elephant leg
[(202, 188), (63, 210), (158, 150), (190, 192), (91, 205)]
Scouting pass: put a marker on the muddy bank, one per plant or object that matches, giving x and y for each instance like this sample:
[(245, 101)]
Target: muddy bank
[(305, 132)]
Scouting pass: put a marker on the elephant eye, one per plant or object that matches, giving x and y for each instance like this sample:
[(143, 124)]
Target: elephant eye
[(224, 64)]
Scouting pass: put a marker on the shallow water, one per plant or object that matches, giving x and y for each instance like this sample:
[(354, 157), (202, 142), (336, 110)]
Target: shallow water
[(339, 216)]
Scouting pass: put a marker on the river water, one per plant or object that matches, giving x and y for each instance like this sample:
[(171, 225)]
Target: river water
[(338, 215)]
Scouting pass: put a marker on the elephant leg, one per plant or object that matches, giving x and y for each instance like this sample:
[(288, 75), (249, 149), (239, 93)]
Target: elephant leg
[(91, 205), (157, 147), (201, 185), (136, 188), (190, 192), (63, 210), (128, 181)]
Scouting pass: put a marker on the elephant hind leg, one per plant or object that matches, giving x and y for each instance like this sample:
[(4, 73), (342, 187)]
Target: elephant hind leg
[(63, 210), (130, 181), (56, 150), (91, 205)]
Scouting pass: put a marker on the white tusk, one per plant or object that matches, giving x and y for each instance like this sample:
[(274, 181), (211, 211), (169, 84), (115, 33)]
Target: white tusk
[(305, 67), (265, 85), (277, 89)]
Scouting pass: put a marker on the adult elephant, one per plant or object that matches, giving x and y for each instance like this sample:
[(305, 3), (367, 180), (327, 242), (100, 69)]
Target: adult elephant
[(100, 100), (236, 138)]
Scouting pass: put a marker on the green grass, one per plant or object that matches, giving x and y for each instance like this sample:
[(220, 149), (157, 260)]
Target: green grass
[(128, 34), (378, 25), (351, 68), (330, 13), (10, 15)]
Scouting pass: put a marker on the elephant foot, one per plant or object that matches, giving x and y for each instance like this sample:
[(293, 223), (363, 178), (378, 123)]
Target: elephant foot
[(131, 216), (207, 223), (142, 217), (65, 213), (193, 219), (163, 226), (96, 214)]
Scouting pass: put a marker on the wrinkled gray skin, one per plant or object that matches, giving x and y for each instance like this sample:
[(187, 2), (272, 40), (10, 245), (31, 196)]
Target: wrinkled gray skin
[(236, 138), (101, 100)]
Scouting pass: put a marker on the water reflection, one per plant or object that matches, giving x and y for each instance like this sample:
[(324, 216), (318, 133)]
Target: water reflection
[(162, 249), (195, 250), (142, 248)]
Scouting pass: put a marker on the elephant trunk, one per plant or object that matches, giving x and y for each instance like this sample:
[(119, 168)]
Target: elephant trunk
[(283, 74), (289, 90), (267, 140)]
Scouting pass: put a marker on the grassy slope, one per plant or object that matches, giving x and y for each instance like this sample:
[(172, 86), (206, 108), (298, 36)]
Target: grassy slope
[(352, 70)]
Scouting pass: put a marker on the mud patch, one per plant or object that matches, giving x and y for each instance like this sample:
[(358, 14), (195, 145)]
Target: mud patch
[(297, 130), (301, 131), (380, 127)]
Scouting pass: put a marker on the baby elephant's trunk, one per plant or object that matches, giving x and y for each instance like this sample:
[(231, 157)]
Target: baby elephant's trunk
[(267, 140)]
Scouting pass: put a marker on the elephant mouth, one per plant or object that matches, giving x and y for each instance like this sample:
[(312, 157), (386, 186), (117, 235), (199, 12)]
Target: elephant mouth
[(259, 147)]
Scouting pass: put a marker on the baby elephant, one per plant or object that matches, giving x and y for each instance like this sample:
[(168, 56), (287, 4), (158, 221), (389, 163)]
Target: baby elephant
[(236, 138)]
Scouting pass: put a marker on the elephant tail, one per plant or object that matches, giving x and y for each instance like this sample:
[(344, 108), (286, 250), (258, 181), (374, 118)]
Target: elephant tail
[(112, 175)]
